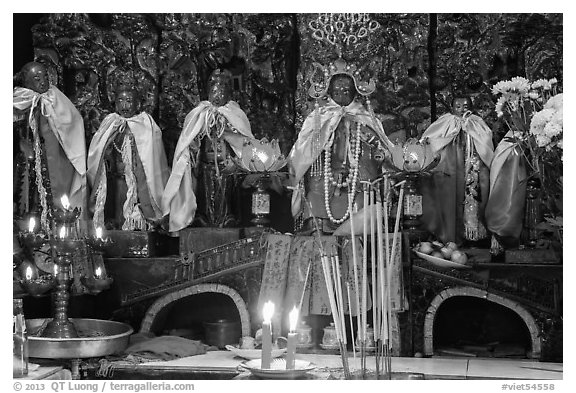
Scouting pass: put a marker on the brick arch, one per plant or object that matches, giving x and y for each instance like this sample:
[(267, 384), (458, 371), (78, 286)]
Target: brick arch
[(165, 300), (475, 292)]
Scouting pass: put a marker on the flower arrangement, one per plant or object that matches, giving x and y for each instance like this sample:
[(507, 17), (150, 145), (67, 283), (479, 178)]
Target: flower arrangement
[(533, 113)]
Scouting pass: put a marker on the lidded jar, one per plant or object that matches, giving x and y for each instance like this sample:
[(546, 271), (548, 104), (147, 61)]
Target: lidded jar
[(330, 339), (304, 335)]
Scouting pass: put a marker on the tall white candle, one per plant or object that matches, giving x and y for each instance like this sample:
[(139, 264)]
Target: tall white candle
[(267, 312), (31, 224), (99, 233), (292, 339)]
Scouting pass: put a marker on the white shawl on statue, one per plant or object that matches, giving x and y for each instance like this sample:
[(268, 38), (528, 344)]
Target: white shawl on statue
[(148, 139), (448, 126), (67, 125), (179, 199)]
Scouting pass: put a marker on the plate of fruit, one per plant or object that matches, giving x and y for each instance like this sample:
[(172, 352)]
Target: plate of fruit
[(442, 255)]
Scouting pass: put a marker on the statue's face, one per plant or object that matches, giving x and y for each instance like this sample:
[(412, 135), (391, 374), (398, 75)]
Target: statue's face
[(36, 78), (342, 90), (219, 92), (460, 106), (126, 103)]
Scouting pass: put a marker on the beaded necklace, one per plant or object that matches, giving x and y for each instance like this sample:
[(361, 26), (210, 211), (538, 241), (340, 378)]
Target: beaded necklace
[(351, 179)]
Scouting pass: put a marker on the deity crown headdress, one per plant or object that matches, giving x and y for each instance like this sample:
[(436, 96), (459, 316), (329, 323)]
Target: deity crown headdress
[(338, 67)]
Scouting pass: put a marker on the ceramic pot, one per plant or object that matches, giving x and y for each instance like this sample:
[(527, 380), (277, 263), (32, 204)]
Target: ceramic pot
[(304, 335), (222, 332), (330, 339)]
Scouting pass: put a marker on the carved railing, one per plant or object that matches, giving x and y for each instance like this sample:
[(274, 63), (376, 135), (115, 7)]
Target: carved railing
[(208, 265)]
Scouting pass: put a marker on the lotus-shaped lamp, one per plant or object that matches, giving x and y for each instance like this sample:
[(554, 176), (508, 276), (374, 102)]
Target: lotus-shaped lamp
[(261, 156), (413, 156)]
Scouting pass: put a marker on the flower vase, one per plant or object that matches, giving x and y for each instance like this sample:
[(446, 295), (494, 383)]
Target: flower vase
[(532, 212)]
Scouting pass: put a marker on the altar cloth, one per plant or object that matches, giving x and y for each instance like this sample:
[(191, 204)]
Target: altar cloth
[(432, 368)]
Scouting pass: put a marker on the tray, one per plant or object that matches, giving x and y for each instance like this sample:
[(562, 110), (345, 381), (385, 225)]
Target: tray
[(277, 369), (441, 262), (253, 353)]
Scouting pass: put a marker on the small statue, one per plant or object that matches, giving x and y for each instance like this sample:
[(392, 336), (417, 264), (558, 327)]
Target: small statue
[(53, 143), (341, 143), (454, 198), (201, 176), (127, 167)]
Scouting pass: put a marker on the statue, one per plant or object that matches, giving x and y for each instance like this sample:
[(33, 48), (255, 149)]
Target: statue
[(454, 198), (127, 167), (52, 142), (201, 176), (340, 144)]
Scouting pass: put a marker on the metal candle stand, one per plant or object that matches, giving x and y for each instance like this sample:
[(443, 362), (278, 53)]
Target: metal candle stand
[(96, 284)]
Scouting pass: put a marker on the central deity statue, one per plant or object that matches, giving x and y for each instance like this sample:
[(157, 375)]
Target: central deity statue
[(127, 167), (341, 143), (201, 185)]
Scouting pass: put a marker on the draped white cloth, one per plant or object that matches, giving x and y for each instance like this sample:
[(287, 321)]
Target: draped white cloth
[(179, 199), (67, 125), (150, 148)]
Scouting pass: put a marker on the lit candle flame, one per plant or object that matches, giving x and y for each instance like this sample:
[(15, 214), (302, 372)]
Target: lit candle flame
[(62, 232), (55, 269), (293, 318), (98, 272), (65, 202), (31, 224), (99, 232), (268, 311), (28, 273)]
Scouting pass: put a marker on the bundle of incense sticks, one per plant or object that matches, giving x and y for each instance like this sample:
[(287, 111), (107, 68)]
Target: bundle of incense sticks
[(375, 227), (333, 279)]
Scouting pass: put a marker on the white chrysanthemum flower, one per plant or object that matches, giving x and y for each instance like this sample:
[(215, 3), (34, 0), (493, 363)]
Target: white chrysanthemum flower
[(542, 140), (558, 117), (533, 95), (520, 84), (551, 129), (555, 102), (553, 81), (539, 121)]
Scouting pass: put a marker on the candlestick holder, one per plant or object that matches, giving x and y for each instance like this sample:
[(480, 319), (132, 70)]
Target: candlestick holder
[(95, 285), (37, 287), (66, 218), (60, 326), (99, 244), (32, 240)]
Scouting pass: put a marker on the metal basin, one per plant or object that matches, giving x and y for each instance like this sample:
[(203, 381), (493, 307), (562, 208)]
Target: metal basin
[(97, 338)]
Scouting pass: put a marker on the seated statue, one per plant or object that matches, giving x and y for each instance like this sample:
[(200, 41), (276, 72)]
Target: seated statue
[(454, 198), (340, 144), (53, 144), (127, 167), (201, 185)]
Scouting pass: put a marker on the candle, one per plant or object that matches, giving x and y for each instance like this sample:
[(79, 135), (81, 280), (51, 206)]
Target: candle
[(62, 232), (65, 202), (99, 233), (55, 270), (31, 224), (98, 272), (28, 273), (267, 312), (292, 338)]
